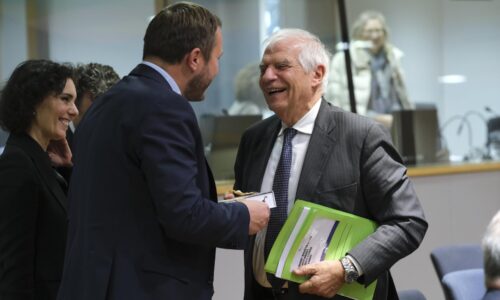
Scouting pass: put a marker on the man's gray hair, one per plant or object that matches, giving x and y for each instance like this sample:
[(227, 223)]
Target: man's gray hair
[(491, 250)]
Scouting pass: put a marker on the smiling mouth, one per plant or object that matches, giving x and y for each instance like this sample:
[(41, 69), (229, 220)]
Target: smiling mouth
[(275, 91), (65, 122)]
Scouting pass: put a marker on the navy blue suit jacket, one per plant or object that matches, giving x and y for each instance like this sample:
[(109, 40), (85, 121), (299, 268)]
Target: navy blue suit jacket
[(143, 216), (492, 294)]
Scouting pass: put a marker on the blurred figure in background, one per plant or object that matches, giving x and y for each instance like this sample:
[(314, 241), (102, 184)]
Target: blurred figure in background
[(249, 98), (92, 80), (491, 251), (379, 85), (36, 107)]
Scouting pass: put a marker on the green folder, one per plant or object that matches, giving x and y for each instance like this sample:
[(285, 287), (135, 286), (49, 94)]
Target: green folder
[(314, 233)]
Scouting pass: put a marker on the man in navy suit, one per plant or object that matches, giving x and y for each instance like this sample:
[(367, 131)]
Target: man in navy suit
[(339, 160), (143, 216), (491, 251)]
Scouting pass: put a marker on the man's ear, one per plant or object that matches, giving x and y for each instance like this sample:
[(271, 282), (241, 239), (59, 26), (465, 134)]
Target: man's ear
[(318, 75), (194, 59)]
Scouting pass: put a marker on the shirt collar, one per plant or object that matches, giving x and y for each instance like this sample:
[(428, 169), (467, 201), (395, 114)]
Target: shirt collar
[(165, 75), (306, 123)]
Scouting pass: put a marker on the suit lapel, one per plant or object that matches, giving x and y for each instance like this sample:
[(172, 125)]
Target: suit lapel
[(42, 164), (50, 180), (260, 155), (320, 146)]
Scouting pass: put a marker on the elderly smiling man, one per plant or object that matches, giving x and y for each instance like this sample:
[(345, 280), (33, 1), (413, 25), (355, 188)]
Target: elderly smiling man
[(314, 151)]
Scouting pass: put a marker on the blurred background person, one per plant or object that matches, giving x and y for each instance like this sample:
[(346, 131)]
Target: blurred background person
[(491, 251), (249, 98), (36, 106), (92, 80), (379, 85)]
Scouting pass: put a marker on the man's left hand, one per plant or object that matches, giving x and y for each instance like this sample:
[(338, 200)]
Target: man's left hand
[(327, 277)]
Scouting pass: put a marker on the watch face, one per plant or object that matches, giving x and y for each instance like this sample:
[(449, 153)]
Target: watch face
[(352, 276)]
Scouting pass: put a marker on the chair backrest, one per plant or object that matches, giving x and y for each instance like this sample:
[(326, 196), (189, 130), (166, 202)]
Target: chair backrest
[(465, 284), (411, 295), (493, 137), (455, 258)]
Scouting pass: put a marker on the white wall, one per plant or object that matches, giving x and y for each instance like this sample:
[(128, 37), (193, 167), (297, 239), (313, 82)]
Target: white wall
[(13, 41), (471, 39), (108, 32)]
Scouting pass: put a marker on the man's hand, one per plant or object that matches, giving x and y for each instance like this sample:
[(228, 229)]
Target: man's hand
[(228, 195), (327, 277), (60, 153), (259, 215)]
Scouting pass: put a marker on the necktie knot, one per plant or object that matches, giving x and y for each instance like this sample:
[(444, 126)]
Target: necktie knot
[(288, 135)]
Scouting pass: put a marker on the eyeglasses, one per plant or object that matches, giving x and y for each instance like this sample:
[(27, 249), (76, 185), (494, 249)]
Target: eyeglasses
[(372, 31)]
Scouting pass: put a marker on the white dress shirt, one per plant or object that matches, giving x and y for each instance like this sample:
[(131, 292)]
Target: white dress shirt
[(300, 143)]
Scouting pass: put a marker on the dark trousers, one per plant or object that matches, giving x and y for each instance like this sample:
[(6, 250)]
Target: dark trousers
[(263, 293)]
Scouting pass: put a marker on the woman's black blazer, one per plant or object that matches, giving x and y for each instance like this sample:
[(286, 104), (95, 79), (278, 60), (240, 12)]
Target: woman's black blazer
[(33, 222)]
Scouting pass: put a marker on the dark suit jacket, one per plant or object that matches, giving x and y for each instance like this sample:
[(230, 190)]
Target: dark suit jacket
[(352, 166), (32, 222), (143, 217), (492, 294)]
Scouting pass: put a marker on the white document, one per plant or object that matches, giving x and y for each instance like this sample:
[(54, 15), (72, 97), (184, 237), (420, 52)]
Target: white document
[(291, 240), (315, 243), (267, 197)]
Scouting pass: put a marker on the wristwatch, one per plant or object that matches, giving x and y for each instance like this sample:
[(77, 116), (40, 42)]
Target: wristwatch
[(350, 272)]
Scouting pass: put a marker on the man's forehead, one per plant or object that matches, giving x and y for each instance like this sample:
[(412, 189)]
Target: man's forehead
[(289, 44), (280, 55), (286, 45)]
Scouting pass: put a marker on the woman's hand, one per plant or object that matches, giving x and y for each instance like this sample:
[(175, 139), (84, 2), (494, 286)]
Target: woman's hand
[(60, 153)]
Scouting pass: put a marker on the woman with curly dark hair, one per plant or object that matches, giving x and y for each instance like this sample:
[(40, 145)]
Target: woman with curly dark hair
[(36, 106)]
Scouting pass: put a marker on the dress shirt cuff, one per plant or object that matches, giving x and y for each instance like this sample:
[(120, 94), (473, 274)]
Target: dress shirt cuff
[(356, 264)]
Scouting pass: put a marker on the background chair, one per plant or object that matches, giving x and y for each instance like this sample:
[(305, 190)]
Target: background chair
[(411, 295), (465, 284), (453, 258), (493, 137)]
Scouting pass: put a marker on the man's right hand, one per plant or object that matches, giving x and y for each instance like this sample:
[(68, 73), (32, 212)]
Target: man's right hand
[(259, 215)]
